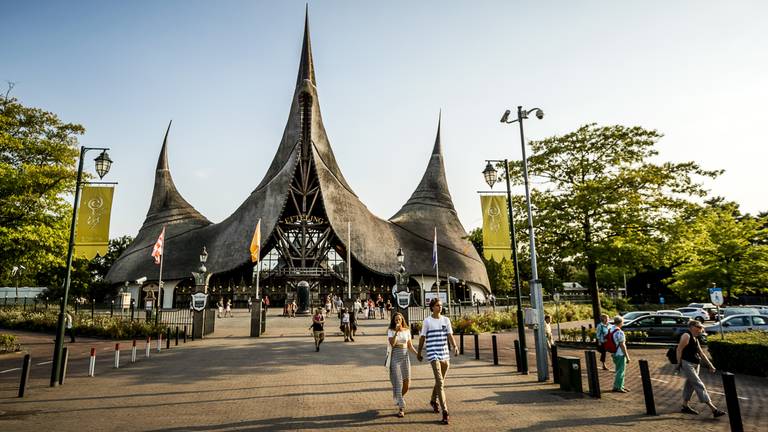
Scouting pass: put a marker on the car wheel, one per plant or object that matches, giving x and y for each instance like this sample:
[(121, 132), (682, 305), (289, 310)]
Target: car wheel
[(700, 319)]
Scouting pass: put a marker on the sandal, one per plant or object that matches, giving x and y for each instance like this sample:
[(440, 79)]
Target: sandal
[(401, 414)]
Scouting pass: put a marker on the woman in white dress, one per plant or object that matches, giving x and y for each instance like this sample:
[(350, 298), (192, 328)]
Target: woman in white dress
[(399, 338)]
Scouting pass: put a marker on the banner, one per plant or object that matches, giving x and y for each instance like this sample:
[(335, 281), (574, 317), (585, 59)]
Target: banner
[(496, 243), (92, 228)]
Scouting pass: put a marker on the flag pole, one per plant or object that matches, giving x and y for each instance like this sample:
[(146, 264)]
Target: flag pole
[(423, 291), (349, 259)]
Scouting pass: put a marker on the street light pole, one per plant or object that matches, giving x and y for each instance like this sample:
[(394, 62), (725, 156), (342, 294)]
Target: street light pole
[(103, 164), (537, 297), (490, 177)]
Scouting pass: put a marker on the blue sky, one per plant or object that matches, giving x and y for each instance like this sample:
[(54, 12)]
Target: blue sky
[(225, 73)]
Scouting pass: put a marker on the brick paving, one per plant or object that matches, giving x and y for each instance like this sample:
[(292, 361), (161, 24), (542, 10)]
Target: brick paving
[(231, 382)]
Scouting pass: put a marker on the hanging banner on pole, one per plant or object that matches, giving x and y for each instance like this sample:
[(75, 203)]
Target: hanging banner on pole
[(93, 215), (496, 243)]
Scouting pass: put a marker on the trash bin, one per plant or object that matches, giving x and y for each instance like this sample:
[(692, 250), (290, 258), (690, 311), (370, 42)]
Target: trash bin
[(570, 373)]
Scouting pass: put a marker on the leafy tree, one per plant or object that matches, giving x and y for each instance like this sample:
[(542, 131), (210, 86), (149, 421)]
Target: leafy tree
[(38, 154), (603, 200), (719, 245)]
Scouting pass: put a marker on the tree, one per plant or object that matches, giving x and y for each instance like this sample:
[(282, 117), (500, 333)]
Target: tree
[(719, 245), (602, 199), (38, 155)]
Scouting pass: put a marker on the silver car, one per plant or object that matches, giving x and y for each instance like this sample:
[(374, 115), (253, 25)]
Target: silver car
[(743, 322), (698, 314)]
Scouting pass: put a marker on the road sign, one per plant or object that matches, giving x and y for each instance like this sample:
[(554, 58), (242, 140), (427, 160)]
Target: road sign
[(403, 299), (716, 295), (198, 301)]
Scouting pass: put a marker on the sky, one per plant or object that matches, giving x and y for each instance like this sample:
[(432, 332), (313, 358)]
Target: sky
[(225, 72)]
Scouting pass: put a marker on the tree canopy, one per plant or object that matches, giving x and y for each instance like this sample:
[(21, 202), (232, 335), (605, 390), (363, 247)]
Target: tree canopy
[(601, 199), (38, 155)]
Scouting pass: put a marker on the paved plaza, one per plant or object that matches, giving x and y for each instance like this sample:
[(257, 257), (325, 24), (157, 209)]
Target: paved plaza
[(278, 382)]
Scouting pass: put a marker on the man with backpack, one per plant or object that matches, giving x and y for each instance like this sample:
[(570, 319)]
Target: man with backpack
[(615, 343)]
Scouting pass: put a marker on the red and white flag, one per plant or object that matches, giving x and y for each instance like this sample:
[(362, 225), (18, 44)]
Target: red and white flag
[(157, 251)]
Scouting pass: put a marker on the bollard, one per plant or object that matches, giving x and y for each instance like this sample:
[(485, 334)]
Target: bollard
[(518, 361), (117, 356), (63, 367), (593, 379), (177, 336), (478, 308), (495, 350), (133, 352), (92, 363), (25, 374), (732, 401), (461, 343), (185, 334), (93, 309), (583, 334), (168, 338), (147, 347), (477, 346), (159, 341), (556, 366), (645, 375)]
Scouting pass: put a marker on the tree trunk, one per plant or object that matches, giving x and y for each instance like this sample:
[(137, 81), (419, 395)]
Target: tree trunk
[(592, 275)]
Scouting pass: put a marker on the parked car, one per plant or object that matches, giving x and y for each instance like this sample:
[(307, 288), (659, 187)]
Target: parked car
[(742, 322), (669, 312), (729, 311), (709, 307), (631, 316), (763, 309), (698, 314), (660, 328)]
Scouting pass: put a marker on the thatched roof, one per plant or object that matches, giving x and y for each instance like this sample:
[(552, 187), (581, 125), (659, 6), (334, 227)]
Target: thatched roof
[(373, 240)]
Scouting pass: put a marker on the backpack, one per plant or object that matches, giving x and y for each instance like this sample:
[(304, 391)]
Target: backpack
[(610, 344)]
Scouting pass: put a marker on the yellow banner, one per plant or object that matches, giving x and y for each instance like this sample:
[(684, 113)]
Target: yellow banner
[(92, 230), (496, 243)]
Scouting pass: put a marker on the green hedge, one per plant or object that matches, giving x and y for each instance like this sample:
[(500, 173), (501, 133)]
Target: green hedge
[(8, 343), (741, 352), (100, 326)]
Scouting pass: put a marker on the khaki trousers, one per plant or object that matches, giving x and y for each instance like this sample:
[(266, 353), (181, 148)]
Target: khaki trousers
[(440, 369)]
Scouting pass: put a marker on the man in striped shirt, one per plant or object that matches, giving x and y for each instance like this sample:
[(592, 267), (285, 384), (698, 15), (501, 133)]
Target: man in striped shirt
[(438, 334)]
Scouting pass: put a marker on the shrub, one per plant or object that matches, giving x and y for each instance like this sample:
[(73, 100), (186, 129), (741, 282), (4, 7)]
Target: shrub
[(99, 326), (8, 343), (742, 352)]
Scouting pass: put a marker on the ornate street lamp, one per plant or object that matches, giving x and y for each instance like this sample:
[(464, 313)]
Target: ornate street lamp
[(491, 177), (537, 296), (403, 295), (103, 164)]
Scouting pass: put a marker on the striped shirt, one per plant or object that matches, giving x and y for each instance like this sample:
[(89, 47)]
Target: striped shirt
[(436, 331)]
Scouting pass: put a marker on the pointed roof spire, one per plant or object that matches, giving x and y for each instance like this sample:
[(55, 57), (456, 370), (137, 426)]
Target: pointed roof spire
[(167, 204), (307, 66), (438, 150), (162, 161)]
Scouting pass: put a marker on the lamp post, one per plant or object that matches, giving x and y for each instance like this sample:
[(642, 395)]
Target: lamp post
[(103, 164), (491, 177), (536, 295), (201, 296), (402, 285)]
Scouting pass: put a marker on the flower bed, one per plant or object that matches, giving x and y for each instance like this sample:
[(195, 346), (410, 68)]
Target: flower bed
[(99, 326), (496, 321), (8, 343)]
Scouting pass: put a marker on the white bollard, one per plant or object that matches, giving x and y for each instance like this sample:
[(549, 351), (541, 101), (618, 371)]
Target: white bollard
[(159, 341), (149, 344), (117, 356), (92, 364), (133, 352)]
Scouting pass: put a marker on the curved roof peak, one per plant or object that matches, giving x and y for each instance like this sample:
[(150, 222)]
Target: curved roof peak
[(167, 205), (433, 188), (307, 66)]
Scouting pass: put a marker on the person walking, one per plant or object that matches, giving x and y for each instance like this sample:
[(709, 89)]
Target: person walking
[(220, 305), (689, 358), (380, 305), (292, 309), (357, 307), (318, 328), (548, 330), (228, 309), (621, 356), (266, 303), (371, 310), (353, 325), (601, 331), (69, 324), (399, 363), (345, 328), (437, 332)]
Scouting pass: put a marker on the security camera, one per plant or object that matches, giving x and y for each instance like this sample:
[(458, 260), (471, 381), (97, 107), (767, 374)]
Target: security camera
[(505, 117), (539, 114), (141, 280)]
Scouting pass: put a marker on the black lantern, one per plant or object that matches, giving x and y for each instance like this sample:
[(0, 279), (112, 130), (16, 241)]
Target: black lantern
[(490, 174), (103, 163)]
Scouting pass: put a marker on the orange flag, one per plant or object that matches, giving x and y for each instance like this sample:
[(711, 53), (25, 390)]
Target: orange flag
[(256, 243)]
